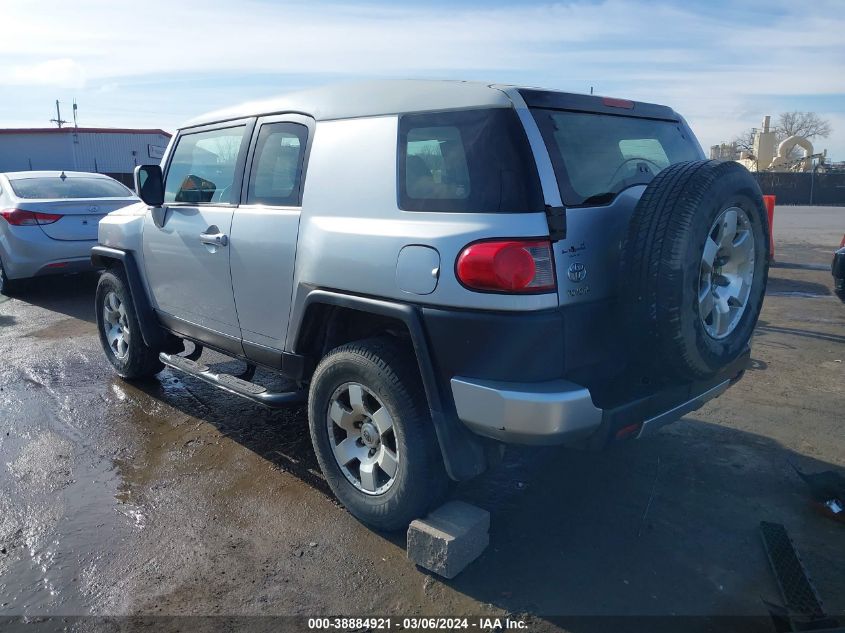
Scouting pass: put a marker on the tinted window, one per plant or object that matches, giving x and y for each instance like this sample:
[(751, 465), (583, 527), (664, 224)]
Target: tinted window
[(595, 156), (277, 165), (469, 160), (203, 167), (69, 187)]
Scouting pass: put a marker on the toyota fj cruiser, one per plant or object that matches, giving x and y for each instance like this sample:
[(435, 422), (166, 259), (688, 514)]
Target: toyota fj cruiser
[(439, 269)]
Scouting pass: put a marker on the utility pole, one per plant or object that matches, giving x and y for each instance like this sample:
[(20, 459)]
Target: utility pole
[(58, 120), (75, 124)]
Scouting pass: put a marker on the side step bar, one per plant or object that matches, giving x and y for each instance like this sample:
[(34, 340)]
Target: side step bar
[(233, 384)]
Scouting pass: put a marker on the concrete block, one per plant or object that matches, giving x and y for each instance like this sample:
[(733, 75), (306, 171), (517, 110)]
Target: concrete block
[(450, 538)]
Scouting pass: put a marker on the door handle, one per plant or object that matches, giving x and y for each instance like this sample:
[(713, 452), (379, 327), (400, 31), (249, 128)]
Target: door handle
[(214, 239)]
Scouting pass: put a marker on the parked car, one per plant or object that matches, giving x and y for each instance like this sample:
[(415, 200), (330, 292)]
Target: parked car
[(48, 221), (441, 269), (837, 269)]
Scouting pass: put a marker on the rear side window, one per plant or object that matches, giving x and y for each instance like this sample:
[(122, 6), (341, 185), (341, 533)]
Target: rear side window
[(276, 173), (202, 169), (466, 161), (595, 156), (68, 188)]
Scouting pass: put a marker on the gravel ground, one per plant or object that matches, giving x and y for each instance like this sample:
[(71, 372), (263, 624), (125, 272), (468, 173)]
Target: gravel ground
[(172, 498)]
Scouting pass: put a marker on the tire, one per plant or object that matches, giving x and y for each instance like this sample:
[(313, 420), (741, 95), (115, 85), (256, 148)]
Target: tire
[(390, 379), (667, 286), (134, 360), (8, 286)]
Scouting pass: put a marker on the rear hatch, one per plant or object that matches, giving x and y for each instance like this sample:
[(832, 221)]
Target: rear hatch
[(70, 207), (603, 151)]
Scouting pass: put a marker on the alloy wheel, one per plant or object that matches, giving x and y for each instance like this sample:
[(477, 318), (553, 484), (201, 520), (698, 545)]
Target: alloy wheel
[(727, 272), (116, 325), (362, 438)]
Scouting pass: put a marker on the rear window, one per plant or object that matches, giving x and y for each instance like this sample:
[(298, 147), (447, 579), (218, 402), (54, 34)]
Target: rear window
[(595, 156), (466, 161), (68, 187)]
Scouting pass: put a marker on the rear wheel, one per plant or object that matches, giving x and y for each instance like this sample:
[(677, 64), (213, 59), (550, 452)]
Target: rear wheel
[(9, 286), (120, 334), (373, 435)]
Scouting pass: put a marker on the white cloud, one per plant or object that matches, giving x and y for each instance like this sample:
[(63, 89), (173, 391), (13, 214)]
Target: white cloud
[(63, 72)]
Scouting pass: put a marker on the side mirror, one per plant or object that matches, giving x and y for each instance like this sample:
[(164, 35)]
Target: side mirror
[(149, 184)]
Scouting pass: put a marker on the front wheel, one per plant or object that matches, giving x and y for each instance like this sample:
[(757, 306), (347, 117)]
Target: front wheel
[(120, 334), (373, 435)]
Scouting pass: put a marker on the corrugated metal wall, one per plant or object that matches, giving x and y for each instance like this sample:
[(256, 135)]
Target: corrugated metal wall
[(115, 153), (22, 152), (103, 152)]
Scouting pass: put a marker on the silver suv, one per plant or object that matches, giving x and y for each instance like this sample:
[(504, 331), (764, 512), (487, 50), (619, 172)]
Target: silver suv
[(439, 269)]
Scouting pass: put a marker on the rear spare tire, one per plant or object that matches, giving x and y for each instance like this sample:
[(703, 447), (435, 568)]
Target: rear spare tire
[(694, 267)]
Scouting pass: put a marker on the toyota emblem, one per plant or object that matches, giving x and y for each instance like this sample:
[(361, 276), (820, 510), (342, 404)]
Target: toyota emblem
[(577, 272)]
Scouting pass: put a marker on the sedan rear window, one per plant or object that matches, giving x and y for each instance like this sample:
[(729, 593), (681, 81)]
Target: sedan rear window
[(595, 156), (68, 188), (476, 161)]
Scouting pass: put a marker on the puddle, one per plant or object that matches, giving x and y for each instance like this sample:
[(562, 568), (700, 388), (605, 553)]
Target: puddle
[(66, 328), (60, 507)]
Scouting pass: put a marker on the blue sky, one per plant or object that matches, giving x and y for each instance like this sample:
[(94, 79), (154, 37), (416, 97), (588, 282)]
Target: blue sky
[(156, 63)]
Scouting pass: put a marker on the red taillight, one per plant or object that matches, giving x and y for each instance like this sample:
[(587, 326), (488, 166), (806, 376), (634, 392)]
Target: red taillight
[(507, 266), (618, 103), (19, 217)]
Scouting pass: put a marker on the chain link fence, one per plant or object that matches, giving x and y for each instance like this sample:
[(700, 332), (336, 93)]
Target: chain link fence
[(807, 188)]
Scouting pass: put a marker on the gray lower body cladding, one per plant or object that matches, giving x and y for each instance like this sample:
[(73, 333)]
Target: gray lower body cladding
[(562, 376)]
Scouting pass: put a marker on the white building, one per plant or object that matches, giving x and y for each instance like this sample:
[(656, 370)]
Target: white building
[(112, 151)]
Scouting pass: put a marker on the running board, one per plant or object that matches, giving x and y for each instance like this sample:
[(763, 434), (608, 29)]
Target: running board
[(233, 384)]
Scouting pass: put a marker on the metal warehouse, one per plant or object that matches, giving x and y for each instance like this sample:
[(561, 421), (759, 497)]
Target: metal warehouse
[(111, 151)]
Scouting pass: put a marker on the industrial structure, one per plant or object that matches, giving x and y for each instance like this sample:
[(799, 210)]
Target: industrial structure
[(770, 155), (111, 151)]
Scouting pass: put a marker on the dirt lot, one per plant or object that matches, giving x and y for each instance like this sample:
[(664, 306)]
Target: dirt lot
[(173, 498)]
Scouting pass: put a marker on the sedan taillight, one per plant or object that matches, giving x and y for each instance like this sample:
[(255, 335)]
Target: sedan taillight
[(20, 217), (507, 266)]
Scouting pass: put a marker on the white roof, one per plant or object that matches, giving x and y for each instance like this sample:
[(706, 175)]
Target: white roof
[(17, 175), (369, 98)]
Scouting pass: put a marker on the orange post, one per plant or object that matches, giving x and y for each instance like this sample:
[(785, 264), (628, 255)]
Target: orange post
[(769, 201)]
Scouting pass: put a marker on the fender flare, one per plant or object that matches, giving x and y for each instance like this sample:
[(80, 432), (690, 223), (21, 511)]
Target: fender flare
[(152, 334), (463, 452)]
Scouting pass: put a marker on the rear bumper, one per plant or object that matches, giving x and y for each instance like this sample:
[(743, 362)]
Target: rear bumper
[(526, 413), (561, 412), (28, 252)]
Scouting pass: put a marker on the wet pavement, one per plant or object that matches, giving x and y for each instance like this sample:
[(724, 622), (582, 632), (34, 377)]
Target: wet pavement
[(170, 497)]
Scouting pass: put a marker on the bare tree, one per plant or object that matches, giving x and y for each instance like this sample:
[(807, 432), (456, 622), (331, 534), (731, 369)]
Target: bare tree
[(745, 141), (807, 124)]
